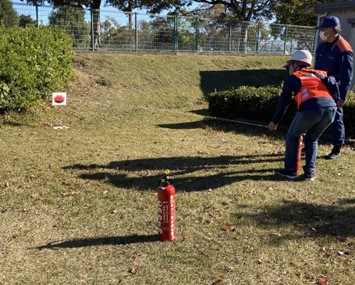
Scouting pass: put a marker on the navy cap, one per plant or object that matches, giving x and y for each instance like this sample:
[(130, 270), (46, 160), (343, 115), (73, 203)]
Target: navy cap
[(329, 22)]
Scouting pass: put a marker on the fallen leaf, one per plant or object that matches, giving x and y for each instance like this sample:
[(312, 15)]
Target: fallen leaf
[(133, 270), (113, 211), (228, 269), (219, 281), (341, 238), (67, 183), (207, 209), (228, 228), (343, 252), (326, 252), (322, 281), (68, 194)]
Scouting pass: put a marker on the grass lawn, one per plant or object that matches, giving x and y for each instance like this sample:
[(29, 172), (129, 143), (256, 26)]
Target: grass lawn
[(79, 205)]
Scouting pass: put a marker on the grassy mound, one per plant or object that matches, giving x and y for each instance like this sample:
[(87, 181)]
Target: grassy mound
[(79, 205)]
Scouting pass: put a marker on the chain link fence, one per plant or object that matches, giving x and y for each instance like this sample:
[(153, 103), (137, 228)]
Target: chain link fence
[(113, 30)]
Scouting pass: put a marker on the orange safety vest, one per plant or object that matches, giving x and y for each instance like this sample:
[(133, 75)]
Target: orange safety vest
[(311, 85)]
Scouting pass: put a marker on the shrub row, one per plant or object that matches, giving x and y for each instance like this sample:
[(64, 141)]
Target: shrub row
[(259, 103), (34, 62)]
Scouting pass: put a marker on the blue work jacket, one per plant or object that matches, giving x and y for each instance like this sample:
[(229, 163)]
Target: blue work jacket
[(337, 59)]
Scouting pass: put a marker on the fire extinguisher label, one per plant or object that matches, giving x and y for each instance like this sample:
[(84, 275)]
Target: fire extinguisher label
[(160, 217), (166, 213), (172, 216)]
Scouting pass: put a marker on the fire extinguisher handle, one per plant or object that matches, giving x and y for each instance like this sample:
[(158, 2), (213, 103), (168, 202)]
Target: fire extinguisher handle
[(166, 180)]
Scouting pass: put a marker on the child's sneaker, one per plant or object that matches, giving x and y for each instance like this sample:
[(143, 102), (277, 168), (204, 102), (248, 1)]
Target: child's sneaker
[(286, 173)]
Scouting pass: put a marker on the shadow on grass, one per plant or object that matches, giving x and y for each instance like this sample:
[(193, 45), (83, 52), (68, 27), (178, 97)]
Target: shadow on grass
[(240, 126), (144, 174), (100, 241), (308, 220)]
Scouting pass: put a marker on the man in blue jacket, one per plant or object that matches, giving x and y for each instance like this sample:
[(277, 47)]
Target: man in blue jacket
[(316, 111), (335, 56)]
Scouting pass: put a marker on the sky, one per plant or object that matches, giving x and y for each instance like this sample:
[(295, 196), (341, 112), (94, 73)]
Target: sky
[(106, 11)]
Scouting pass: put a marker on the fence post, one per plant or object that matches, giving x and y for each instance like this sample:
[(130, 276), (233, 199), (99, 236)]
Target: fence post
[(257, 37), (197, 28), (230, 36), (37, 18), (175, 33), (286, 31), (135, 32), (92, 27)]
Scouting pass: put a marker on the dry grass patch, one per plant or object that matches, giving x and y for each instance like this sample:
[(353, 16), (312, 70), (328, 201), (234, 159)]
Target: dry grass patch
[(78, 206)]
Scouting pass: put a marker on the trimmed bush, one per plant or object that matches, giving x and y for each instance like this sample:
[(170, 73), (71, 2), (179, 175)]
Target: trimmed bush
[(259, 103), (34, 62), (253, 103), (349, 117)]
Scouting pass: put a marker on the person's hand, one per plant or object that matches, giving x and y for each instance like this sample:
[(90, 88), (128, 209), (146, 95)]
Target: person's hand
[(272, 126), (341, 103)]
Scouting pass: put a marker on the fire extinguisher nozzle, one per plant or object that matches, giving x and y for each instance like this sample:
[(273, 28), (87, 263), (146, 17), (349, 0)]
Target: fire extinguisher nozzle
[(166, 180)]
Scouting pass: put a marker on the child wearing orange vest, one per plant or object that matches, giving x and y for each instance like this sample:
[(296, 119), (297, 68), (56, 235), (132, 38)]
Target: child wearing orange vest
[(316, 111)]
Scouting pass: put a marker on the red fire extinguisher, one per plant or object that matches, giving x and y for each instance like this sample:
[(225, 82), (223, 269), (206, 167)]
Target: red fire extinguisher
[(166, 209), (299, 153)]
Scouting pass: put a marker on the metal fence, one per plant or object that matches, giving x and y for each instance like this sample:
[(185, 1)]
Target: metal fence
[(113, 30)]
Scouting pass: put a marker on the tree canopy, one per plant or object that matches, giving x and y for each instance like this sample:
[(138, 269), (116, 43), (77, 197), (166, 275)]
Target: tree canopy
[(72, 21), (295, 12), (245, 10), (8, 16)]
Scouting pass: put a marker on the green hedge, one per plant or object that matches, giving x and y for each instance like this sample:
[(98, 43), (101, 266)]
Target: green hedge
[(34, 62), (259, 103), (349, 117)]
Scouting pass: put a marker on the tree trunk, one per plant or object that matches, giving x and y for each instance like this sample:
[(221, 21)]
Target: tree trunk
[(130, 24), (96, 22), (243, 38)]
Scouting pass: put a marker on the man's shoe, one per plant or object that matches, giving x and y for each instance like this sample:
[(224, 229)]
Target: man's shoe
[(332, 155), (310, 176), (286, 173), (335, 152)]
